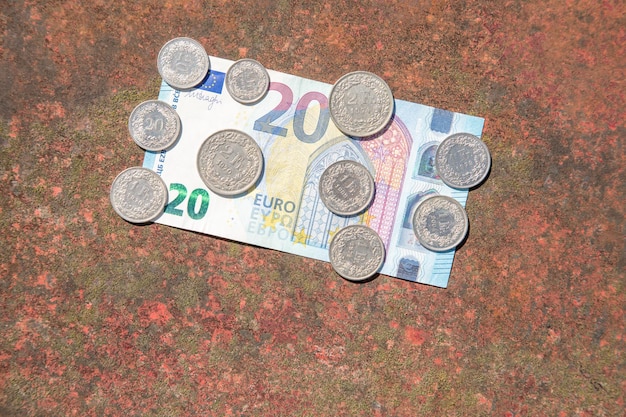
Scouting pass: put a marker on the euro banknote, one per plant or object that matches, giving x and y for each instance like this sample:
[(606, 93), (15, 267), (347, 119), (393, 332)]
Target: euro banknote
[(293, 128)]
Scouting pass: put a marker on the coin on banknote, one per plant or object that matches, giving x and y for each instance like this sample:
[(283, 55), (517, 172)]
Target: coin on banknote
[(138, 195), (230, 162), (356, 252), (361, 104), (183, 63), (154, 125), (346, 188), (462, 160), (247, 81), (440, 223)]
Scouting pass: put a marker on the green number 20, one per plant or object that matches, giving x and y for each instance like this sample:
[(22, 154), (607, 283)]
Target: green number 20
[(193, 210)]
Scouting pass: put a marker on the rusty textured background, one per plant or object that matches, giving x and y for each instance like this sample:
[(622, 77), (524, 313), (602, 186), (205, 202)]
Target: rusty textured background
[(99, 317)]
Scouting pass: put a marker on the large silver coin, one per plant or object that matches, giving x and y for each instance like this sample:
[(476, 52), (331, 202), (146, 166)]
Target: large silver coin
[(356, 252), (230, 162), (154, 125), (361, 104), (346, 188), (183, 63), (440, 223), (462, 160), (138, 195), (247, 81)]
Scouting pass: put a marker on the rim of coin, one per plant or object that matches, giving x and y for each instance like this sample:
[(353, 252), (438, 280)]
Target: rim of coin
[(355, 268), (173, 50), (243, 68), (345, 119), (138, 195), (217, 159), (471, 163), (343, 198), (455, 219), (169, 126)]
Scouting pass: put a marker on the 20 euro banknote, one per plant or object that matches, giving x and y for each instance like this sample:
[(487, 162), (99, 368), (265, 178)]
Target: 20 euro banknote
[(293, 128)]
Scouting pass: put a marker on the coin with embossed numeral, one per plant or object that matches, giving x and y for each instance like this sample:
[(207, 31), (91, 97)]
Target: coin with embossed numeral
[(247, 81), (138, 195), (440, 223), (462, 160), (230, 162), (346, 188), (154, 125), (361, 104), (183, 63), (356, 252)]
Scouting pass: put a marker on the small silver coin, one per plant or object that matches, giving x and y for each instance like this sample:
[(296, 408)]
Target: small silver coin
[(138, 195), (356, 252), (154, 125), (230, 162), (183, 63), (346, 188), (361, 104), (440, 223), (462, 160), (247, 81)]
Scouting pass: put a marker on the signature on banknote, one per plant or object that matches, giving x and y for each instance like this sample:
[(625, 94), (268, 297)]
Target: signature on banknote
[(210, 99)]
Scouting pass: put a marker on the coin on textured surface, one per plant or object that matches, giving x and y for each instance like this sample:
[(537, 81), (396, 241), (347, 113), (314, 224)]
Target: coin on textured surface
[(230, 162), (346, 188), (138, 195), (356, 252), (462, 160), (183, 63), (154, 125), (361, 104), (440, 223), (247, 81)]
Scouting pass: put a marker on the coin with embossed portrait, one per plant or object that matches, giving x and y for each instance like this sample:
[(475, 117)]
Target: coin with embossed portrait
[(138, 195), (183, 63), (154, 125), (356, 252), (462, 160), (346, 188), (440, 223), (230, 162), (361, 104), (247, 81)]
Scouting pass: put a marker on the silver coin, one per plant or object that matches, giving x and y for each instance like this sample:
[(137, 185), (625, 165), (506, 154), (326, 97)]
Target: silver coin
[(462, 160), (230, 162), (138, 195), (154, 125), (356, 252), (346, 188), (361, 104), (440, 223), (247, 81), (183, 63)]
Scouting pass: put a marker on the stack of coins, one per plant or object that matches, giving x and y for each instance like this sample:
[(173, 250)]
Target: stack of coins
[(230, 162)]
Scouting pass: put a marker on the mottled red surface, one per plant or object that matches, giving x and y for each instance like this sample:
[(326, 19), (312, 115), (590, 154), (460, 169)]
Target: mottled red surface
[(99, 317)]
